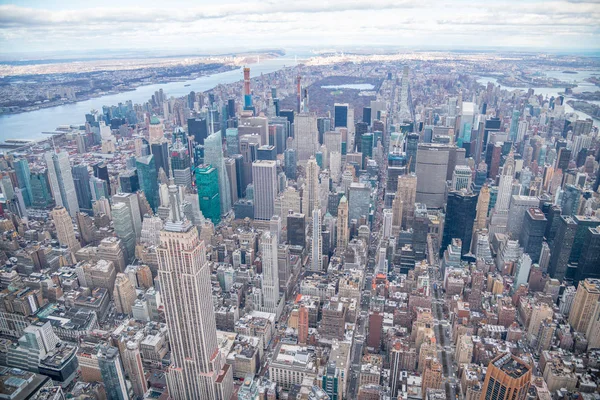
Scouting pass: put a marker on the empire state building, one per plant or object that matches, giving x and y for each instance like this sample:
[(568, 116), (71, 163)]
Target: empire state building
[(197, 371)]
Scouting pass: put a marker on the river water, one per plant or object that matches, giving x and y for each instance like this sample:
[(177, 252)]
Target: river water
[(578, 79), (30, 125)]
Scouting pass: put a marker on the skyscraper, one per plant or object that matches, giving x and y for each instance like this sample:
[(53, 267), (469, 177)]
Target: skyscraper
[(460, 215), (296, 229), (290, 163), (207, 182), (412, 145), (123, 294), (340, 115), (24, 179), (124, 229), (64, 228), (112, 373), (306, 136), (155, 129), (342, 224), (532, 234), (317, 242), (148, 178), (181, 164), (268, 247), (559, 254), (507, 378), (264, 176), (61, 181), (312, 186), (584, 304), (132, 361), (590, 255), (133, 206), (213, 155), (184, 274)]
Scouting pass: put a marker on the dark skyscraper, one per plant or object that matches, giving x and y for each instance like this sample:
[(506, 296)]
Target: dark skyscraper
[(290, 162), (198, 128), (360, 128), (532, 233), (589, 261), (366, 115), (128, 181), (101, 171), (412, 144), (583, 223), (296, 229), (559, 256), (340, 112), (81, 179), (160, 151), (461, 211)]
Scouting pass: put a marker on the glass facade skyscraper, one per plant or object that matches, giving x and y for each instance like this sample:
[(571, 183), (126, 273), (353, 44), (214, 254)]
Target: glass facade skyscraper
[(148, 179), (207, 182)]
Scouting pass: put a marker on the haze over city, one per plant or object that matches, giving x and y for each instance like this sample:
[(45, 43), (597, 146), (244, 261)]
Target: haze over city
[(263, 200)]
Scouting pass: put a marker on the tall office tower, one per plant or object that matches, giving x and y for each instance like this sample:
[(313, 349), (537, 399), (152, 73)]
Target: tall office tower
[(466, 120), (397, 209), (483, 203), (340, 114), (64, 228), (412, 145), (230, 166), (99, 188), (584, 304), (306, 136), (507, 378), (569, 203), (505, 185), (112, 373), (198, 128), (560, 252), (432, 376), (181, 164), (532, 234), (81, 180), (302, 324), (232, 141), (522, 271), (312, 185), (359, 201), (123, 294), (124, 229), (264, 176), (128, 181), (132, 361), (583, 222), (461, 177), (407, 192), (589, 260), (296, 229), (342, 224), (316, 263), (186, 290), (366, 115), (24, 179), (160, 151), (270, 283), (290, 163), (516, 214), (461, 211), (435, 163), (323, 125), (207, 182), (155, 129), (61, 181), (514, 126), (148, 178), (133, 206), (213, 155)]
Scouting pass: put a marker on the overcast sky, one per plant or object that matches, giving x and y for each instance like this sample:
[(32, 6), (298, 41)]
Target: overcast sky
[(206, 25)]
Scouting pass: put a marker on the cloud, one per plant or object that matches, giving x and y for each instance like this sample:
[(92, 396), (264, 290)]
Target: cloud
[(260, 24)]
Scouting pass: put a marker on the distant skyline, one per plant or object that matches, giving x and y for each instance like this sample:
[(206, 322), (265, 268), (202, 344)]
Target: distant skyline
[(211, 27)]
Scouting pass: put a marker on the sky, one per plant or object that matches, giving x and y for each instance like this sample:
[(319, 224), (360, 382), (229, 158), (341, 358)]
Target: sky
[(204, 26)]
